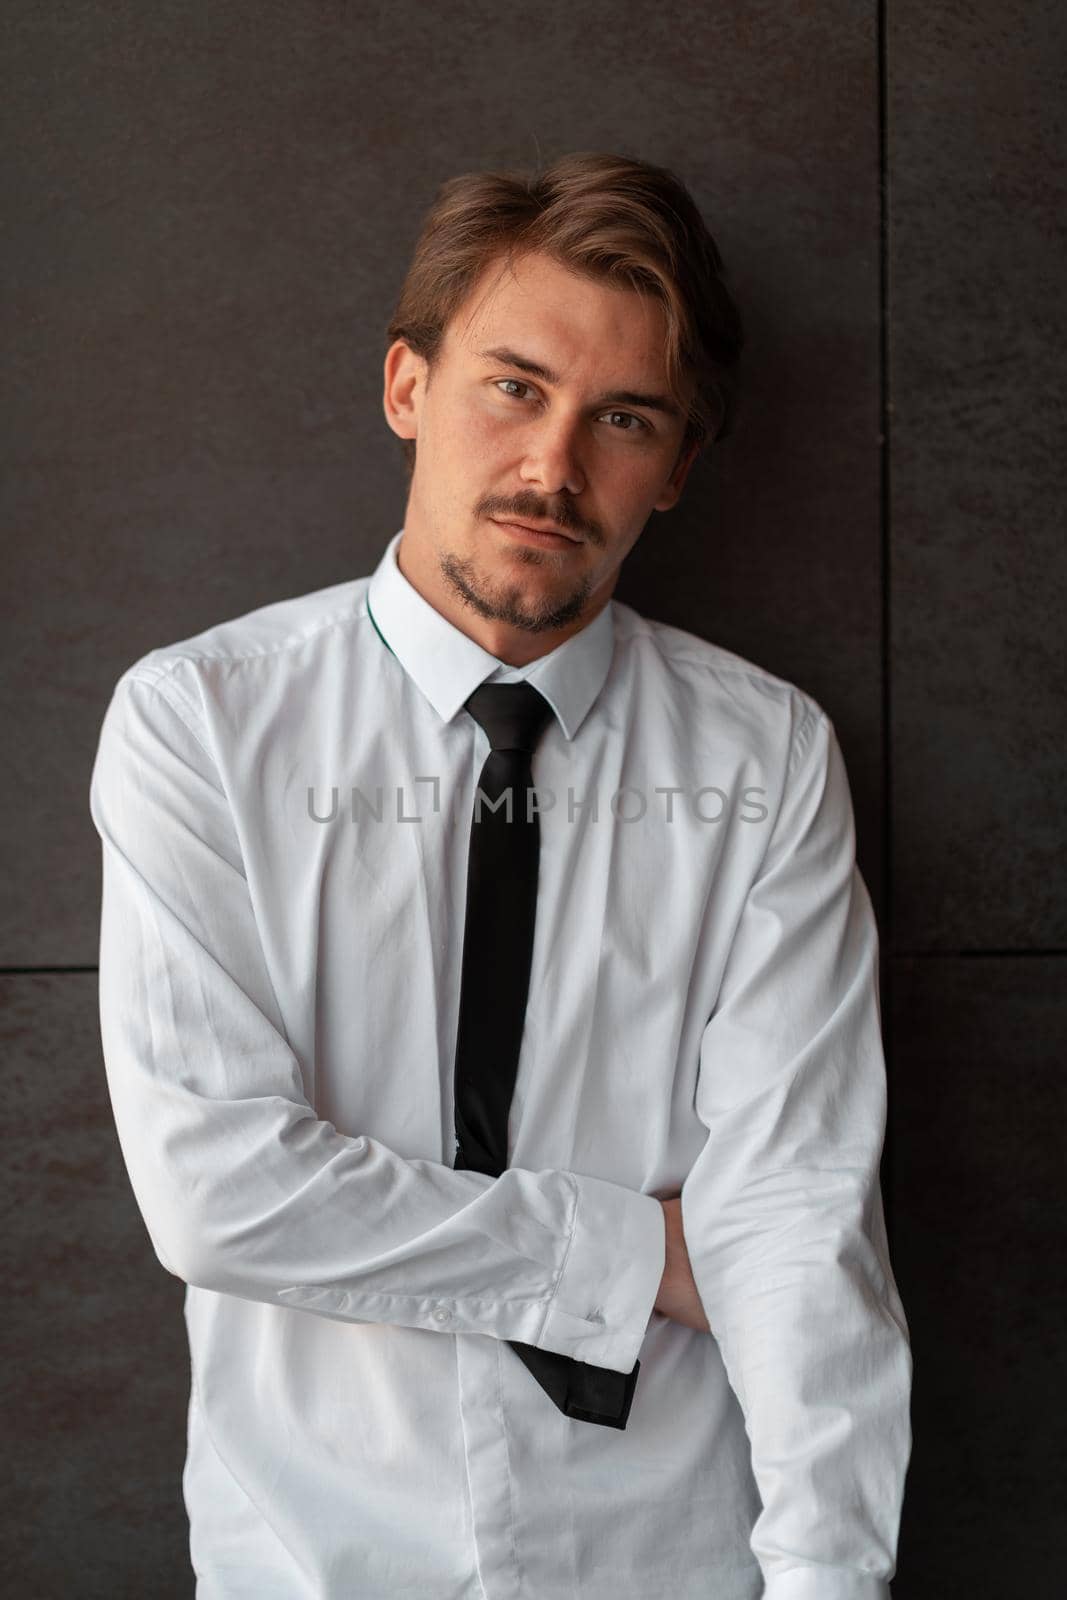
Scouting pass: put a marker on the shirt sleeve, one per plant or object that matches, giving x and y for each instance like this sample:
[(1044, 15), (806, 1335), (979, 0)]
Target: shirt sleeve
[(782, 1211), (243, 1188)]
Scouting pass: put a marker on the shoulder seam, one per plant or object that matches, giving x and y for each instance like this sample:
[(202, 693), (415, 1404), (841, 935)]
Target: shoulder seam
[(718, 660), (349, 613), (808, 723), (801, 740), (187, 716)]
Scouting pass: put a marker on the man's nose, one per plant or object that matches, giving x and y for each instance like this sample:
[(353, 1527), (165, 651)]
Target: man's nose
[(554, 456)]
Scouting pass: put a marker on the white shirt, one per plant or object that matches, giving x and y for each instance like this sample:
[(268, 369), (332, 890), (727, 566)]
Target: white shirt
[(279, 986)]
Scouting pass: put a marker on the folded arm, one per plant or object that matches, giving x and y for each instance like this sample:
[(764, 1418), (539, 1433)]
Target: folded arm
[(243, 1188)]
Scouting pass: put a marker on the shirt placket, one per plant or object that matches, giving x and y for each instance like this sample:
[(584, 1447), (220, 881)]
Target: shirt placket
[(485, 1447)]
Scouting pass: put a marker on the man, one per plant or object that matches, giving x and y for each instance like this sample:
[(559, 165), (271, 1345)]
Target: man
[(411, 1262)]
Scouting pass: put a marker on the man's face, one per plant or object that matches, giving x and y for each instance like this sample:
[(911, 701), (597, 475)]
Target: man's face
[(577, 444)]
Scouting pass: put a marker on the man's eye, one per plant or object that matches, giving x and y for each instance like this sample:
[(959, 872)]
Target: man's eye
[(639, 424), (517, 384)]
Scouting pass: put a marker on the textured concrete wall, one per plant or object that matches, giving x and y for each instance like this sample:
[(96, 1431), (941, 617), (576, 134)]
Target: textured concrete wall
[(210, 208)]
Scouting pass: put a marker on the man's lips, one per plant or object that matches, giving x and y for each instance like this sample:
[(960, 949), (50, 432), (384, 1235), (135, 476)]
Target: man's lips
[(537, 527)]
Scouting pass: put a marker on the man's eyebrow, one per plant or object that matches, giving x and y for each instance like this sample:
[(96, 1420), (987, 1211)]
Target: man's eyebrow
[(616, 397)]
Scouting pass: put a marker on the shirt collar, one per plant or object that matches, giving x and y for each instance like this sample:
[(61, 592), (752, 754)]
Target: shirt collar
[(447, 665)]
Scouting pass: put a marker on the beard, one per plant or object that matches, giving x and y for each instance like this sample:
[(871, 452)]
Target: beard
[(501, 601)]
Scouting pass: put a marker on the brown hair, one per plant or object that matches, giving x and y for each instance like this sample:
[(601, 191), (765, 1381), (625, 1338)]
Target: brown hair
[(613, 218)]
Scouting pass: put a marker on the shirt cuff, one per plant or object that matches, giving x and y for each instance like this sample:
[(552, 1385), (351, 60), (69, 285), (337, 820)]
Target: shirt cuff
[(611, 1276), (823, 1583)]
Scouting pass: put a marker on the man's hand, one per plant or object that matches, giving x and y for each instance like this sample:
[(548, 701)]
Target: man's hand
[(678, 1298)]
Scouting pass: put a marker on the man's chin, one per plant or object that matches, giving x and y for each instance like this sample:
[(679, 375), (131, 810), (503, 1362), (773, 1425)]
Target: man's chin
[(532, 607)]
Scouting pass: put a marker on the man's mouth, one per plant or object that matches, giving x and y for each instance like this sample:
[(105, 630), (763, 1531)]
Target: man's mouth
[(546, 533)]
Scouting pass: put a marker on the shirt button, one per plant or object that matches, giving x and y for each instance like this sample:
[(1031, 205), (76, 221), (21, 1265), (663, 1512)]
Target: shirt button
[(440, 1314)]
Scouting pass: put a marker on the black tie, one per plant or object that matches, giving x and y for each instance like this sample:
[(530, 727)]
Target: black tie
[(498, 933)]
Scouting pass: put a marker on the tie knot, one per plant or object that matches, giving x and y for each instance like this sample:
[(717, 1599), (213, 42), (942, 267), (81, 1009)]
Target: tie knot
[(512, 714)]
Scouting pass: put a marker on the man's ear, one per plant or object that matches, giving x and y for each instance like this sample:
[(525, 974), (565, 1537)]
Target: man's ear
[(672, 490), (405, 374)]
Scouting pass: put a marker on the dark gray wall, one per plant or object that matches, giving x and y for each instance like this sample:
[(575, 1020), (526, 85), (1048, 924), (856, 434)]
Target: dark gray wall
[(211, 208), (976, 681)]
